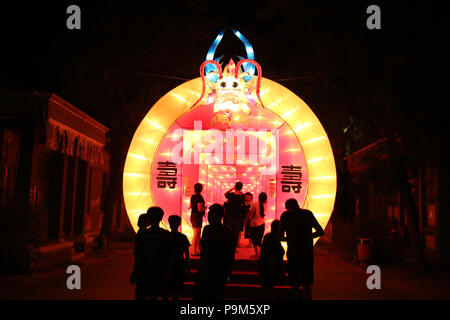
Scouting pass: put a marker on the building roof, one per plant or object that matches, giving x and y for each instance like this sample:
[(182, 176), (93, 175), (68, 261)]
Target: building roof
[(68, 129)]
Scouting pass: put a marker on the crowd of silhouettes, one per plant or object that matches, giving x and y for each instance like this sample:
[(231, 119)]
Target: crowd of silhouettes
[(154, 257), (162, 257)]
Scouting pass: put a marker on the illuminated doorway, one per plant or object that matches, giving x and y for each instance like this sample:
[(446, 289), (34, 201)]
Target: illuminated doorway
[(152, 175)]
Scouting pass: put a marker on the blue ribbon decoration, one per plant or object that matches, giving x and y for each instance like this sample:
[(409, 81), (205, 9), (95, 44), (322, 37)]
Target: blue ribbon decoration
[(210, 56), (248, 67)]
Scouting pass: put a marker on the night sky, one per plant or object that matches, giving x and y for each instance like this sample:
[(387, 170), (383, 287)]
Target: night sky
[(128, 55)]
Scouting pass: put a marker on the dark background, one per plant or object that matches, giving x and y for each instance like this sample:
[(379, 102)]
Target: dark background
[(361, 83)]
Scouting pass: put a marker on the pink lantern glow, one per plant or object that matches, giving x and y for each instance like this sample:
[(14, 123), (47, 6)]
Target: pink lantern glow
[(256, 132)]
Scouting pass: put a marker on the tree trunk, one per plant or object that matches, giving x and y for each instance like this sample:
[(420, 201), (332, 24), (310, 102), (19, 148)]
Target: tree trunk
[(113, 192), (413, 220), (105, 233)]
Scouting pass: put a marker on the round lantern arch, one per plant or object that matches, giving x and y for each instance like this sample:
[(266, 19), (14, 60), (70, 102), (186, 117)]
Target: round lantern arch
[(322, 183)]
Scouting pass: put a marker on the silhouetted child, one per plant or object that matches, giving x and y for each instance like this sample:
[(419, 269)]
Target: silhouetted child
[(181, 262), (154, 254), (270, 263), (143, 223), (216, 256)]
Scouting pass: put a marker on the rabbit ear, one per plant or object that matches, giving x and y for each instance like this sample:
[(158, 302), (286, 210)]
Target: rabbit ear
[(213, 64), (258, 67), (243, 75), (248, 61), (202, 74), (212, 76), (212, 72)]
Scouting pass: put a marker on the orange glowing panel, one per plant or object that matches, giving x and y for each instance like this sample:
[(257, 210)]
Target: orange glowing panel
[(177, 145)]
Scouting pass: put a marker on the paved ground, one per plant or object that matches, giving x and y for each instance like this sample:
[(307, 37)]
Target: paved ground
[(107, 278)]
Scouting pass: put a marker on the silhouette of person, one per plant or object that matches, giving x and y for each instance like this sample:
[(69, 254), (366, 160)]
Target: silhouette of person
[(198, 211), (255, 219), (181, 262), (270, 263), (226, 211), (154, 253), (248, 211), (234, 219), (217, 255), (143, 223), (297, 224)]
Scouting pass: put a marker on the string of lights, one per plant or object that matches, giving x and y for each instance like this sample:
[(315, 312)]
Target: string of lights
[(181, 78)]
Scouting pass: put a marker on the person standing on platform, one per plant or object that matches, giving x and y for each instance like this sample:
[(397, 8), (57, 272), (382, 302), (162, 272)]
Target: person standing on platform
[(181, 262), (236, 211), (256, 222), (216, 258), (297, 223), (197, 212), (248, 212), (143, 223)]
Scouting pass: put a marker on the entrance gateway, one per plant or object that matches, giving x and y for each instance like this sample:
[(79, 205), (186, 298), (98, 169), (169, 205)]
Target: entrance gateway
[(226, 126)]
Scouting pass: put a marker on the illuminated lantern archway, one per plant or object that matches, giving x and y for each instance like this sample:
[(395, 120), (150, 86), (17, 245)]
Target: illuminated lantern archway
[(240, 129)]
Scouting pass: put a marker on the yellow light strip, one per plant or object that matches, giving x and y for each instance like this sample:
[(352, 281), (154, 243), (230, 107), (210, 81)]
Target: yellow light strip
[(315, 160), (137, 156), (147, 140), (274, 103), (323, 178), (263, 93), (287, 114), (178, 97), (320, 214), (301, 127), (285, 104), (153, 123), (137, 212), (137, 194), (314, 140), (323, 196), (139, 175)]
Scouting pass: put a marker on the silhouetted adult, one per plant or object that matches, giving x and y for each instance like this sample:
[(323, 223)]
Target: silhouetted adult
[(143, 223), (298, 224), (181, 261), (236, 212), (248, 211), (198, 211), (256, 221), (270, 263), (154, 253), (217, 254)]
